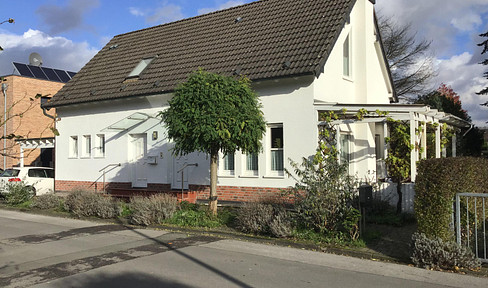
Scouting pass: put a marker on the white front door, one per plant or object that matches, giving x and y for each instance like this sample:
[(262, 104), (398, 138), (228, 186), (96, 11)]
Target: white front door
[(138, 144), (180, 176)]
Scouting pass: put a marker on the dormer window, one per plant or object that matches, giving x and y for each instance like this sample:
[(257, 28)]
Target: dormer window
[(140, 67)]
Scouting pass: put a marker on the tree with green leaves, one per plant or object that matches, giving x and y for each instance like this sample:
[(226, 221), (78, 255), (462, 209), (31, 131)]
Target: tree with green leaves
[(210, 113), (445, 99), (484, 44), (398, 159)]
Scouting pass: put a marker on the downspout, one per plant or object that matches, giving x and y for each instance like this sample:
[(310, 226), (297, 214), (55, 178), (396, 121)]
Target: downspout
[(44, 111), (471, 127), (4, 89)]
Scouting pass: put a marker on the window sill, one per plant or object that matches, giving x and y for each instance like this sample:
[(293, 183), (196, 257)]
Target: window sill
[(347, 78), (274, 176), (248, 176), (227, 176), (85, 157), (73, 157)]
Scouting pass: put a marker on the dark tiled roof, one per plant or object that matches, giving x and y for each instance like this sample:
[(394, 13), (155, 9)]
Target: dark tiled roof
[(274, 38)]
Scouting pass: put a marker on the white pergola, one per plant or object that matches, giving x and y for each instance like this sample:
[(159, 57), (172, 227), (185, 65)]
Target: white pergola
[(414, 113), (34, 143)]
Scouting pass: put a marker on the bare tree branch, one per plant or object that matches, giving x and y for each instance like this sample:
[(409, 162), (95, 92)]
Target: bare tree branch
[(410, 61)]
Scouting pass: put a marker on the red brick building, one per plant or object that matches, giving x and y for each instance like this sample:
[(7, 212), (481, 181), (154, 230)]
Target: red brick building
[(25, 118)]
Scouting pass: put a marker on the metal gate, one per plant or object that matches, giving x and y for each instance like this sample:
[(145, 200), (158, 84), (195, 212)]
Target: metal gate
[(471, 222)]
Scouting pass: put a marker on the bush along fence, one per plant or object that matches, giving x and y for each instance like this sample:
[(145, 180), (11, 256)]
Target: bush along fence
[(438, 182)]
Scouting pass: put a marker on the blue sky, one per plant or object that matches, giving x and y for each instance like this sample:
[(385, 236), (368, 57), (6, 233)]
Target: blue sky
[(69, 33)]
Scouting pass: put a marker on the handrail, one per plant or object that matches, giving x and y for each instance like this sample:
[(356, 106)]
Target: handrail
[(110, 165), (183, 176), (104, 172)]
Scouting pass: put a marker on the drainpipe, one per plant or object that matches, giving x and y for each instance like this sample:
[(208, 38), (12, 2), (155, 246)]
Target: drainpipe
[(44, 111), (471, 127), (4, 89)]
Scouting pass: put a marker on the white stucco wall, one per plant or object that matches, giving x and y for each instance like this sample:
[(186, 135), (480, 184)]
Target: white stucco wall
[(368, 84), (288, 102)]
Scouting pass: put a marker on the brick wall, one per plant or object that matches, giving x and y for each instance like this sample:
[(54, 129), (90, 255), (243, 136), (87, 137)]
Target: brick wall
[(21, 99), (225, 193), (237, 193)]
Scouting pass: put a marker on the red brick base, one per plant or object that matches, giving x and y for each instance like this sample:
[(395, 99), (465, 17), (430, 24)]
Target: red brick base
[(225, 193)]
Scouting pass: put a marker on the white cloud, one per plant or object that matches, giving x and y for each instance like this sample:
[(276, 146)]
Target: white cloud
[(159, 15), (466, 78), (136, 11), (59, 19), (453, 27), (57, 52), (467, 22), (165, 14), (438, 20), (225, 5)]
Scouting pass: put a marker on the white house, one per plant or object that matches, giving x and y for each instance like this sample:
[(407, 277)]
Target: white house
[(303, 57)]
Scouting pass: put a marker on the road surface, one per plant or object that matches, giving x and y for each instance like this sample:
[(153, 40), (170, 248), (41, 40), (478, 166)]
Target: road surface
[(42, 251)]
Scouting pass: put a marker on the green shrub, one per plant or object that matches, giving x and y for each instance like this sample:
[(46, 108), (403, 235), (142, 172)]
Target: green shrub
[(18, 193), (193, 215), (435, 253), (280, 226), (84, 204), (46, 201), (194, 218), (438, 181), (264, 218), (324, 193), (153, 209)]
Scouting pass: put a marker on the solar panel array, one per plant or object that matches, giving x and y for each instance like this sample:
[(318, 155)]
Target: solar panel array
[(44, 72)]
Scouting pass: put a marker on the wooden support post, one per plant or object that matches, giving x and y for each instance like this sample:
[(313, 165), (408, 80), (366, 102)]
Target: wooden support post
[(438, 141), (424, 140), (414, 152)]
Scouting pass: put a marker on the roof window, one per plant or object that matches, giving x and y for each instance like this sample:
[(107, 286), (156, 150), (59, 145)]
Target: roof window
[(141, 67)]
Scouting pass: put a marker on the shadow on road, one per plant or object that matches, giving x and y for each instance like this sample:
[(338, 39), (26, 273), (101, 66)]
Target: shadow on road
[(129, 280), (191, 258)]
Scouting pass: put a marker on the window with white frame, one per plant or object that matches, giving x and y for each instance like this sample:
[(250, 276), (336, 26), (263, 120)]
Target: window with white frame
[(345, 145), (86, 150), (346, 63), (100, 145), (252, 164), (73, 147), (229, 164), (277, 144)]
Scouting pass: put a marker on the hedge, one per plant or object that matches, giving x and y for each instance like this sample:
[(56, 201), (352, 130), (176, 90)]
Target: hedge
[(438, 181)]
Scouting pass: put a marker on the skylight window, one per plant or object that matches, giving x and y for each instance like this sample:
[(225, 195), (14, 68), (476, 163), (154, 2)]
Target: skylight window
[(140, 67)]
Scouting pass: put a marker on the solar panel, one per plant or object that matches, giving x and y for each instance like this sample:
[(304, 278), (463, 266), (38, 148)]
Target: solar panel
[(37, 72), (51, 75), (23, 69), (62, 75), (44, 73)]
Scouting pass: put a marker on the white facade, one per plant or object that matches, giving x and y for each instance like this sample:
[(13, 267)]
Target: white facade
[(356, 76)]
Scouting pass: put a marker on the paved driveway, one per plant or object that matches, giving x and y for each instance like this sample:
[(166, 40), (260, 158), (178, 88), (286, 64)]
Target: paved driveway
[(44, 251)]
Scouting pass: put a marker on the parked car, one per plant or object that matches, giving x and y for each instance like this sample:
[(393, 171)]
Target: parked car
[(39, 179)]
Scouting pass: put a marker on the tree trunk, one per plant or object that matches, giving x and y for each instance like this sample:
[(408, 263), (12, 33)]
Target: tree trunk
[(212, 200), (400, 197)]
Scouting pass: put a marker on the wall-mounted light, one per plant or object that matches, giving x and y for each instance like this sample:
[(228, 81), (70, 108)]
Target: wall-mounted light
[(155, 135)]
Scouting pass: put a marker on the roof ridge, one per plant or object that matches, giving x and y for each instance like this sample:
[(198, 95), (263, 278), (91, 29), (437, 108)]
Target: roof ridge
[(193, 17)]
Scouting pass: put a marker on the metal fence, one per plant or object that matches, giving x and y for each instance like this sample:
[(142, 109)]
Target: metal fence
[(471, 222)]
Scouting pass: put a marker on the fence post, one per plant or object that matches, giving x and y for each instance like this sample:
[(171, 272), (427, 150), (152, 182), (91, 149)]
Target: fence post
[(458, 220)]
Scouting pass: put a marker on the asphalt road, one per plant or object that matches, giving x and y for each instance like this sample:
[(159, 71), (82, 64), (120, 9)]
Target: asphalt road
[(43, 251)]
